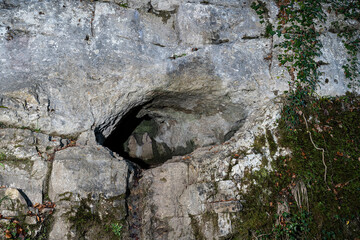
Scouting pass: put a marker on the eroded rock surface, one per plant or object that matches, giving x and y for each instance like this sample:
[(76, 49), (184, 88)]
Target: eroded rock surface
[(87, 182), (201, 71), (13, 204), (23, 157), (197, 196)]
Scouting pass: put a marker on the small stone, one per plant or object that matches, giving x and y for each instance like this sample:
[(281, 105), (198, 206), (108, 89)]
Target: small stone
[(30, 220), (12, 193)]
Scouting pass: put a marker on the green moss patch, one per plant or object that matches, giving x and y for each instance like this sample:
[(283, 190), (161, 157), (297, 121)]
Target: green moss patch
[(14, 162), (327, 209), (272, 144), (45, 229), (259, 143), (94, 218), (196, 228)]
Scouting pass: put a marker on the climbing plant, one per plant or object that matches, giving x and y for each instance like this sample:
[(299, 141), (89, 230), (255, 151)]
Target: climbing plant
[(300, 46), (314, 192), (350, 10)]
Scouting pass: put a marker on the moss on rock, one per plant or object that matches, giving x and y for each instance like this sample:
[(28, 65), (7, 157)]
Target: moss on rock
[(259, 143), (14, 162), (271, 207), (272, 144), (93, 218)]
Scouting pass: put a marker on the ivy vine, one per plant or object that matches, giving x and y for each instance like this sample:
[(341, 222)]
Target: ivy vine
[(351, 11), (324, 162), (297, 22)]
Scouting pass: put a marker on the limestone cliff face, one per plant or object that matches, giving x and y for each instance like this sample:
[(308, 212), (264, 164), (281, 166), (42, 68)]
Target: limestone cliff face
[(95, 69)]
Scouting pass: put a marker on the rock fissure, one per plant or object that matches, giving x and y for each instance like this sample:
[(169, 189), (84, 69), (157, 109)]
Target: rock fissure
[(92, 19)]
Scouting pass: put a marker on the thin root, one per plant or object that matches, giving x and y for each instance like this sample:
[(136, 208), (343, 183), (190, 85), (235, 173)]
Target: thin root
[(317, 148)]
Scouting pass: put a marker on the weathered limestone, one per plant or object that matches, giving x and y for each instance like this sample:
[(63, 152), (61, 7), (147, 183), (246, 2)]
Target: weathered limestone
[(23, 154), (201, 188), (12, 203), (82, 178), (85, 170), (201, 70)]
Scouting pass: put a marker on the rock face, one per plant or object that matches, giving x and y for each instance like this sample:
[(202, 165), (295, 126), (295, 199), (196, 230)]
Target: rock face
[(198, 70), (23, 155), (197, 196), (93, 181), (12, 203)]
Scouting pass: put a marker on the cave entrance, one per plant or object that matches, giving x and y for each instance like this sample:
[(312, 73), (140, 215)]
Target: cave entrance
[(119, 137), (171, 124), (142, 136)]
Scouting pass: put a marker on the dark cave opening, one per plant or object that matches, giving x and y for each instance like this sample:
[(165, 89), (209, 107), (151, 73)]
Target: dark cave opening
[(135, 137), (169, 125), (123, 130)]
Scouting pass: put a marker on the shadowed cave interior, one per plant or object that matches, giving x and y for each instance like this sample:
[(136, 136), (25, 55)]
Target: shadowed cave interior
[(170, 125), (124, 129)]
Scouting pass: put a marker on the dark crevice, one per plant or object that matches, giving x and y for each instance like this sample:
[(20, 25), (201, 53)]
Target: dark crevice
[(164, 15), (217, 40), (159, 45), (124, 128), (28, 201), (137, 125), (245, 37)]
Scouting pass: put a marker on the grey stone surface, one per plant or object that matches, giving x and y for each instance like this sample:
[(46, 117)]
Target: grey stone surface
[(12, 203), (23, 154), (68, 66), (87, 177), (80, 171), (122, 63), (200, 69)]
